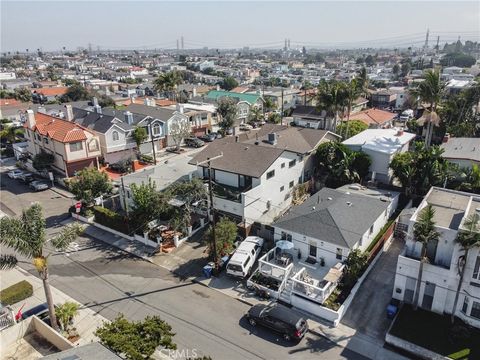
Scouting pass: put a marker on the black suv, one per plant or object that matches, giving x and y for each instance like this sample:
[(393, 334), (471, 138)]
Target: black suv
[(194, 142), (280, 319)]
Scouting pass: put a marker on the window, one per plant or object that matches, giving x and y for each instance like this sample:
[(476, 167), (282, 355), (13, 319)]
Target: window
[(465, 305), (475, 312), (283, 165), (46, 140), (156, 130), (291, 184), (115, 136), (286, 236), (93, 145), (292, 163), (270, 174), (370, 231), (76, 146), (282, 188), (476, 269), (339, 254)]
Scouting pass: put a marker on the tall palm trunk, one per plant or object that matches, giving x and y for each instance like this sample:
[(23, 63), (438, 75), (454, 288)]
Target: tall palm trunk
[(459, 287), (48, 296), (416, 298)]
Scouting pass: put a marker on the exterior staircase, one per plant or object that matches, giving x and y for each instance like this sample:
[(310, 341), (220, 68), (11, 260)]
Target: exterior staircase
[(285, 294)]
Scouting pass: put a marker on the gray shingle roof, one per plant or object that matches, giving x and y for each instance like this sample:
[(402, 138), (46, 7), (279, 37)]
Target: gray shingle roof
[(247, 158), (155, 112), (462, 148), (327, 216)]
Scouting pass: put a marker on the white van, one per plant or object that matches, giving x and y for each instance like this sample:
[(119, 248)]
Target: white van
[(242, 260)]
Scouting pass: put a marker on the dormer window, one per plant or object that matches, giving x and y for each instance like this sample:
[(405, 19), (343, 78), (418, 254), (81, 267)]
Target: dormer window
[(156, 129)]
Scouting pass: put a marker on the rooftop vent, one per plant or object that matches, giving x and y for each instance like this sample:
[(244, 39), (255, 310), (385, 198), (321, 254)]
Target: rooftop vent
[(349, 203), (329, 198)]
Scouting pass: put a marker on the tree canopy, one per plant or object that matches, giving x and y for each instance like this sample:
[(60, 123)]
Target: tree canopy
[(136, 340), (225, 234), (420, 169), (351, 128), (88, 184), (338, 165), (227, 108), (228, 83)]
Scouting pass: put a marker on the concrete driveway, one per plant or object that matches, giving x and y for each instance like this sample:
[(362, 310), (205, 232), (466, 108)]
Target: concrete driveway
[(367, 312)]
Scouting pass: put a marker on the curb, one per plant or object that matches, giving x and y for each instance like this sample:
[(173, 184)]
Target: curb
[(61, 193)]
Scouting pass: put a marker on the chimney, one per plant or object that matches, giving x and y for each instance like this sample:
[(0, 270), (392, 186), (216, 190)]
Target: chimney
[(68, 112), (218, 87), (180, 108), (194, 92), (98, 109), (446, 137), (95, 101), (272, 138), (41, 109), (400, 132), (128, 117), (30, 119)]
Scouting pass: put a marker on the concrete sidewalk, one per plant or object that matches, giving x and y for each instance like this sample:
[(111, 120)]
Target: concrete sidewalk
[(86, 322)]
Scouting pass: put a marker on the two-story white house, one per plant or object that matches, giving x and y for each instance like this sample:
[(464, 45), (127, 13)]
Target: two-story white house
[(440, 275), (381, 145), (258, 171), (72, 146)]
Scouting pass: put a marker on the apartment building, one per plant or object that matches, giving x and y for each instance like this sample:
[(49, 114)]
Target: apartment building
[(440, 276)]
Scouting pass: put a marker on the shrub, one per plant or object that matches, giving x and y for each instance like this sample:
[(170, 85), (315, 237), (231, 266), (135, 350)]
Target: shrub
[(16, 293), (111, 219), (43, 161), (146, 159)]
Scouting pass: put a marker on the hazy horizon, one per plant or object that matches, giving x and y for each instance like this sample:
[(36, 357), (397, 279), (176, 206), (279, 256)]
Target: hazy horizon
[(228, 24)]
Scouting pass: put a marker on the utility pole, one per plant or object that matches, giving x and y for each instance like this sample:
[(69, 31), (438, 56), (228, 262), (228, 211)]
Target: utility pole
[(125, 203), (282, 106), (212, 208), (153, 145)]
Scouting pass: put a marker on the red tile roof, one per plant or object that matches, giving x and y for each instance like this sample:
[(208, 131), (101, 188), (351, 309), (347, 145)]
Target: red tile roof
[(58, 129), (5, 102), (373, 116), (54, 91)]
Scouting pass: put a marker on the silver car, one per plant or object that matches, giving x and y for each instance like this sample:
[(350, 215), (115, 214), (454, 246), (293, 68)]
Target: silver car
[(14, 174), (39, 185)]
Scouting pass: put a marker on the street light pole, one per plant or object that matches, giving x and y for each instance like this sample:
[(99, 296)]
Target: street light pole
[(212, 208)]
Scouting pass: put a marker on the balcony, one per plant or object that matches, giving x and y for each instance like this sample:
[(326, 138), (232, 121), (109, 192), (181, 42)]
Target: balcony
[(414, 254), (229, 193)]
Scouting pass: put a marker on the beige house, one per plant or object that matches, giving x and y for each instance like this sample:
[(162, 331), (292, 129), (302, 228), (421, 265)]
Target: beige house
[(74, 148)]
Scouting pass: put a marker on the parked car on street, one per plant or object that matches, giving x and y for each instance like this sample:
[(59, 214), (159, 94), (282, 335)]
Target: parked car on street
[(26, 177), (14, 174), (194, 142), (246, 127), (244, 257), (208, 137), (39, 185), (280, 319)]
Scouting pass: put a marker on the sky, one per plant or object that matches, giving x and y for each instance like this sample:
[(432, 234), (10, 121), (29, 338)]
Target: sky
[(227, 24)]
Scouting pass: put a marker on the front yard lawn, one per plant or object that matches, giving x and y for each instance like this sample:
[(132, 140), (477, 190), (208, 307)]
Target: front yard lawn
[(436, 333)]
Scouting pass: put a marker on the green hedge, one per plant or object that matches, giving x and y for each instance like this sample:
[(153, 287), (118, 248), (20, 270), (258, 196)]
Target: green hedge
[(111, 219), (15, 293)]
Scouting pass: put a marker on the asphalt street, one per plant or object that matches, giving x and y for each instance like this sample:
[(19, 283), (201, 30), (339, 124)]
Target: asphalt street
[(111, 282)]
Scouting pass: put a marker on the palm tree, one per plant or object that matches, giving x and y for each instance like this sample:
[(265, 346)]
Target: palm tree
[(424, 232), (66, 312), (331, 97), (467, 239), (470, 179), (255, 114), (167, 82), (26, 236), (362, 82), (352, 92), (431, 91)]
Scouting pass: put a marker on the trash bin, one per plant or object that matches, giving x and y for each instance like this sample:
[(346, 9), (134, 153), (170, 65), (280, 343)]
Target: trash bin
[(391, 311), (207, 271)]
